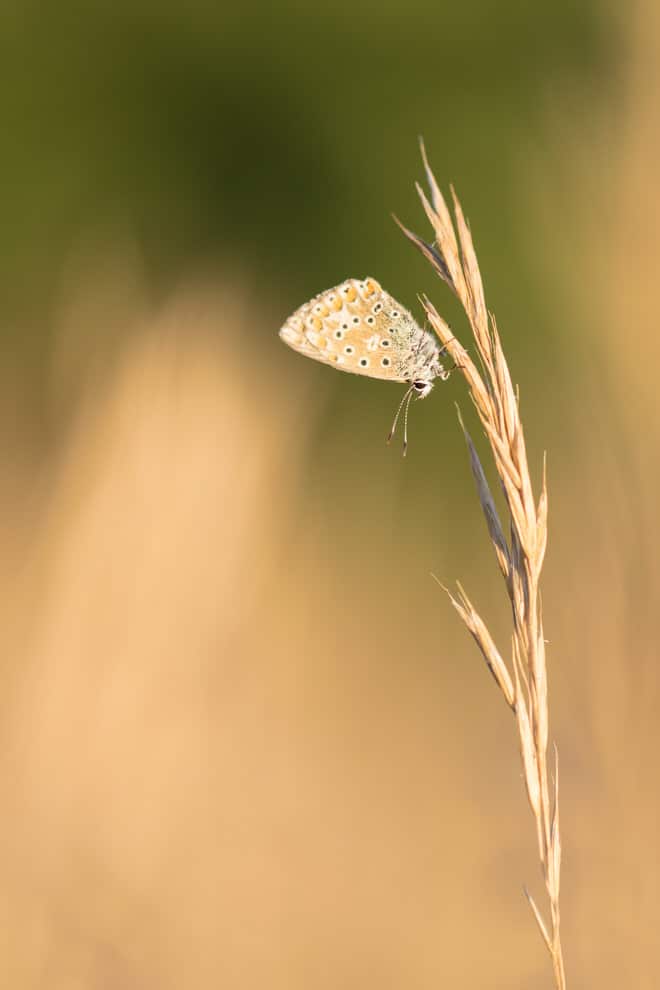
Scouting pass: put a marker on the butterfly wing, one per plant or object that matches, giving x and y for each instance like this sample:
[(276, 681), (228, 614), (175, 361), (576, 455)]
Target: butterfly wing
[(355, 327)]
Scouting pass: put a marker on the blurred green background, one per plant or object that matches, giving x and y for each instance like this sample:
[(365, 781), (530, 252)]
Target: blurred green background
[(279, 139), (245, 740)]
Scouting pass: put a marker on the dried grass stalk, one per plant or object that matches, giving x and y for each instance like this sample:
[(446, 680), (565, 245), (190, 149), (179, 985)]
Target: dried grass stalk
[(524, 683)]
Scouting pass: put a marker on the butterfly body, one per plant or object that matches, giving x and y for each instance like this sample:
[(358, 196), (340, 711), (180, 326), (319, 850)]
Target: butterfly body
[(360, 328)]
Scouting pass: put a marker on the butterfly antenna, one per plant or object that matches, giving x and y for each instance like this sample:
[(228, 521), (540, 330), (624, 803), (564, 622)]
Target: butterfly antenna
[(398, 413), (409, 396)]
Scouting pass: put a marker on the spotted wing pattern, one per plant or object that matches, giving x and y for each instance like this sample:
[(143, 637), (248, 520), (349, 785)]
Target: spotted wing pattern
[(356, 327)]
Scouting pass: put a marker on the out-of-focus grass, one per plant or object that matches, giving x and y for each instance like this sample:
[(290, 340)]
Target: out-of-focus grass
[(226, 757)]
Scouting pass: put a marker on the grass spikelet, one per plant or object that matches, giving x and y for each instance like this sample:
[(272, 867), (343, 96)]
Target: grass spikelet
[(520, 559)]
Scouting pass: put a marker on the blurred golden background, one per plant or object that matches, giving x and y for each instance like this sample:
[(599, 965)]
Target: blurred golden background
[(245, 740)]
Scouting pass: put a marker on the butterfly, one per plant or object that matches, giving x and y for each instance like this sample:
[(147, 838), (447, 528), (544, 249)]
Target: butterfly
[(358, 327)]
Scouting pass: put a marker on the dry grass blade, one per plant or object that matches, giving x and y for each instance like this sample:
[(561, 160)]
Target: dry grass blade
[(484, 641), (429, 253), (539, 920), (524, 687)]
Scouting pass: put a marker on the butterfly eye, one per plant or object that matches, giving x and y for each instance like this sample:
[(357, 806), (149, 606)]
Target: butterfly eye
[(420, 386)]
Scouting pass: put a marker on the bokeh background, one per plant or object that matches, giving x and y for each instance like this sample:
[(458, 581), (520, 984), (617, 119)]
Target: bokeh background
[(244, 739)]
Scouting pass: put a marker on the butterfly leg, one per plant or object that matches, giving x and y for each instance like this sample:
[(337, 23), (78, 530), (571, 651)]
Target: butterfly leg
[(443, 349)]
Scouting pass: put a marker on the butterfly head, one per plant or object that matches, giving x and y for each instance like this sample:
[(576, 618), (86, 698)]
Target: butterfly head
[(421, 387)]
